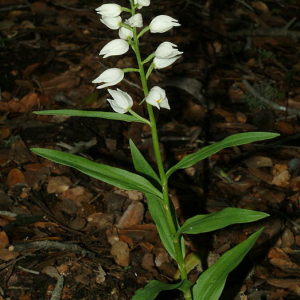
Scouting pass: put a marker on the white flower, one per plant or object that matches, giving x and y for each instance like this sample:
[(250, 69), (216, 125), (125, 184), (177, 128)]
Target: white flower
[(112, 22), (142, 3), (109, 10), (160, 63), (167, 50), (135, 21), (109, 77), (162, 24), (125, 34), (114, 47), (122, 101), (157, 97)]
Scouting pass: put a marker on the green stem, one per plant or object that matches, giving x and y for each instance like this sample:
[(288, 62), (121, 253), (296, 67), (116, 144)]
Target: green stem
[(162, 174), (143, 120), (143, 31), (130, 70)]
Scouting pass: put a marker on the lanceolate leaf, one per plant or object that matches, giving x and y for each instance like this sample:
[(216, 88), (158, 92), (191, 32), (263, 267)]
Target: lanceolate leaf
[(233, 140), (154, 287), (210, 284), (90, 114), (221, 219), (142, 166), (114, 176), (157, 211)]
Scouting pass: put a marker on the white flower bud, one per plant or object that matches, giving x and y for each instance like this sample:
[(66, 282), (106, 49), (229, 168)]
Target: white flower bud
[(167, 50), (162, 24), (109, 10), (114, 47), (157, 97), (125, 34), (135, 21), (109, 77), (142, 3), (121, 101), (112, 22)]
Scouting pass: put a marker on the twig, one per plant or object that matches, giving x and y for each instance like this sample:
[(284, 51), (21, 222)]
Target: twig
[(28, 271), (58, 288), (8, 214), (15, 7), (50, 245), (266, 101)]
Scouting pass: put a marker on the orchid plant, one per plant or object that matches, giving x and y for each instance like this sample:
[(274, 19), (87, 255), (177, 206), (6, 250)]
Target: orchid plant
[(155, 185)]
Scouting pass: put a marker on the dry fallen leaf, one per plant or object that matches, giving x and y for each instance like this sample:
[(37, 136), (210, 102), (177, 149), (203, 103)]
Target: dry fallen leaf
[(58, 185), (3, 240), (7, 255), (120, 252), (281, 175), (15, 176), (133, 215)]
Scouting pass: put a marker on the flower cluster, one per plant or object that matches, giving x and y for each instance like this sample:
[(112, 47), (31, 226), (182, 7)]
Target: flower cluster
[(166, 53)]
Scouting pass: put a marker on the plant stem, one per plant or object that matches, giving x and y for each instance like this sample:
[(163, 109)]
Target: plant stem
[(164, 181)]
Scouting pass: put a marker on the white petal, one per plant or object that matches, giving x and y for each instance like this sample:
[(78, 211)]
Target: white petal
[(123, 98), (162, 24), (109, 10), (115, 47), (167, 50), (164, 104), (109, 77), (116, 108), (161, 91), (142, 3), (153, 97), (163, 62), (112, 23), (135, 21), (125, 34)]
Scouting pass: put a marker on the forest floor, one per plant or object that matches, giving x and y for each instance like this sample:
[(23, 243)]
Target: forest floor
[(240, 72)]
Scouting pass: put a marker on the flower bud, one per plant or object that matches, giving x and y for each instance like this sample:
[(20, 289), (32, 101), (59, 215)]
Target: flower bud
[(167, 50), (112, 22), (142, 3), (162, 24), (115, 47), (121, 101), (157, 97), (125, 34), (109, 10), (135, 21), (109, 77)]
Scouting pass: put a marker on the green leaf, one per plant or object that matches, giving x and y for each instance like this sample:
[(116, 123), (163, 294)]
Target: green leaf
[(220, 219), (210, 284), (233, 140), (90, 114), (157, 211), (142, 166), (154, 287), (114, 176)]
